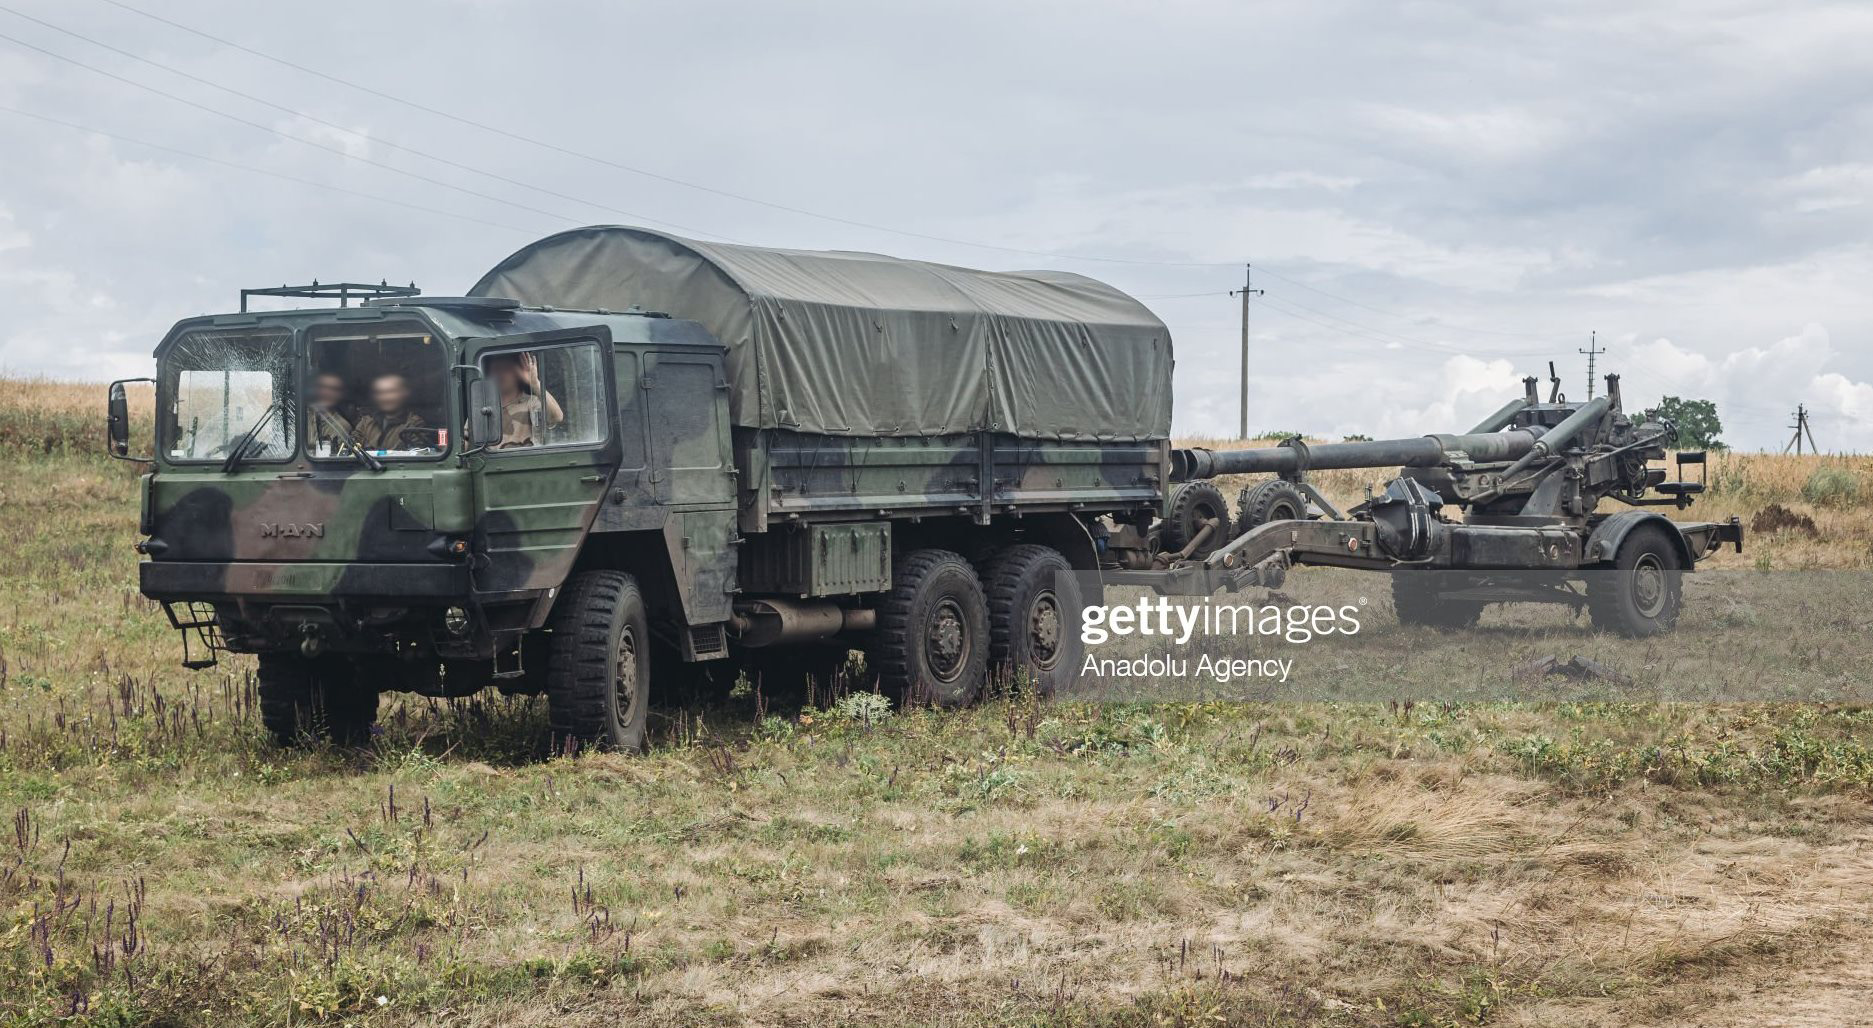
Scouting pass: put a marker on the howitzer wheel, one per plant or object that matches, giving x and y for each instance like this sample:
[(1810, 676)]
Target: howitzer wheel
[(1194, 504), (303, 698), (1269, 501), (932, 640), (598, 665), (1034, 610), (1641, 592), (1417, 599)]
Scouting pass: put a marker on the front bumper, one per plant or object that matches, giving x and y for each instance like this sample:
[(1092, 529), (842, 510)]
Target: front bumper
[(214, 581)]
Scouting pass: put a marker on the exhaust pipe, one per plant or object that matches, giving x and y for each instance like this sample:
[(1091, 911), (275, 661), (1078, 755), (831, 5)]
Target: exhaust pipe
[(775, 622)]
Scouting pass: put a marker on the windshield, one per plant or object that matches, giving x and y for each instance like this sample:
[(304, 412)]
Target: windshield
[(221, 385), (382, 390)]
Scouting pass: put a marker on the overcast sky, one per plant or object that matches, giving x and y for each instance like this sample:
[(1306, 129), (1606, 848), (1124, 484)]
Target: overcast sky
[(1437, 197)]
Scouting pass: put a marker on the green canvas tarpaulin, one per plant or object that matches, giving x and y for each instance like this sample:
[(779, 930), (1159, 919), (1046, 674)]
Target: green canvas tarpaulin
[(857, 344)]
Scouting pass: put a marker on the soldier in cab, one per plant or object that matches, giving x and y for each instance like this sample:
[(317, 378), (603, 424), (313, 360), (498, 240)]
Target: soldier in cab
[(527, 409), (392, 425), (331, 409)]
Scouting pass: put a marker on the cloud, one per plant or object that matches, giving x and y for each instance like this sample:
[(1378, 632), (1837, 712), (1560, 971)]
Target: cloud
[(1468, 191), (12, 237), (1753, 387)]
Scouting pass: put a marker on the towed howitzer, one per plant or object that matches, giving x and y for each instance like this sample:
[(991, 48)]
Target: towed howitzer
[(1528, 481)]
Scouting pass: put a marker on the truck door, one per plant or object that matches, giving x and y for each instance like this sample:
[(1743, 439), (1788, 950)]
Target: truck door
[(540, 485), (690, 456)]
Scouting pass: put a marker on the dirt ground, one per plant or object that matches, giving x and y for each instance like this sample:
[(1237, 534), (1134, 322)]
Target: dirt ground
[(1646, 855)]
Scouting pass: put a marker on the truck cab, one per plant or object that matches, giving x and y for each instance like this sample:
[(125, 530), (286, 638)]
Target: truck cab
[(393, 495)]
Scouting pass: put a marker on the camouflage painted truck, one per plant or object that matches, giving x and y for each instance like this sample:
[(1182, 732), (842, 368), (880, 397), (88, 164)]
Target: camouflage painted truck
[(629, 459)]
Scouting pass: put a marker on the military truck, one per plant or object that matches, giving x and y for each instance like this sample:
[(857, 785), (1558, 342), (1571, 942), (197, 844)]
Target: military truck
[(628, 460), (626, 457)]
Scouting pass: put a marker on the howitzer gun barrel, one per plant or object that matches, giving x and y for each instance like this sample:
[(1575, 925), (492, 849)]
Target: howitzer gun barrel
[(1560, 435), (1288, 458)]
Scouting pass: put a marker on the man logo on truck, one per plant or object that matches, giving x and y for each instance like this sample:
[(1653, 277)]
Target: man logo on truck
[(310, 530)]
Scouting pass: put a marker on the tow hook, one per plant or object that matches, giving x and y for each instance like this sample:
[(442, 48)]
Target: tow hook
[(311, 644)]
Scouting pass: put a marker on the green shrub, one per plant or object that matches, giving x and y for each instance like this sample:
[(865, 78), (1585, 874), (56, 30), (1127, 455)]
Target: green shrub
[(1831, 487)]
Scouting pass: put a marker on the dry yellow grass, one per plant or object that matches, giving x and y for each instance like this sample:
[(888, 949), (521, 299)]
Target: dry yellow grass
[(1020, 863), (1741, 485)]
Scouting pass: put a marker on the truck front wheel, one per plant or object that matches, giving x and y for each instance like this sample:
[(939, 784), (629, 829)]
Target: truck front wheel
[(315, 698), (1034, 613), (598, 665), (932, 640), (1641, 592)]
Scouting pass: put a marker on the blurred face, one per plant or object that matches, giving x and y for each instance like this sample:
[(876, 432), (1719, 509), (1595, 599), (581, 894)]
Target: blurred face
[(506, 374), (328, 390), (390, 393)]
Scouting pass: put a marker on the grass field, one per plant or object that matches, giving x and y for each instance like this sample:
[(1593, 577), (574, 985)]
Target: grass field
[(1402, 861)]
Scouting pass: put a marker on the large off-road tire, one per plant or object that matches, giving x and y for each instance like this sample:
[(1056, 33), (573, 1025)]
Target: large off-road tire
[(1192, 504), (1417, 601), (304, 698), (1641, 592), (932, 640), (1034, 616), (598, 667), (1263, 502)]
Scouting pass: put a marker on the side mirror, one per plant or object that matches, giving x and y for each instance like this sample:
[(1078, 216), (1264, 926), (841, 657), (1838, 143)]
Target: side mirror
[(484, 413), (117, 420)]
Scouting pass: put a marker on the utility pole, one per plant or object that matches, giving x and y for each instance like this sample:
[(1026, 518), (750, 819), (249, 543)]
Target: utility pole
[(1801, 429), (1248, 289), (1593, 350)]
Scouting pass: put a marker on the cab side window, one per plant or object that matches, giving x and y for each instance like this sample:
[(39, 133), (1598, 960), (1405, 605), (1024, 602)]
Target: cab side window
[(550, 396)]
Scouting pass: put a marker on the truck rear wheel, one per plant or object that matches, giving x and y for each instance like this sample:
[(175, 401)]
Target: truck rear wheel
[(932, 640), (305, 698), (1641, 592), (598, 665), (1034, 611), (1416, 599)]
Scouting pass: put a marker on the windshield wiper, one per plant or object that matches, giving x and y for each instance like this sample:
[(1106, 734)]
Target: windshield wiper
[(346, 439), (247, 439)]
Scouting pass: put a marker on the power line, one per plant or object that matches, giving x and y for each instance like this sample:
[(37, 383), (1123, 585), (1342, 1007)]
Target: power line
[(742, 197), (1592, 351), (1414, 342), (1393, 314), (774, 205), (237, 119), (1278, 306), (1247, 292), (48, 119), (316, 120), (338, 150), (631, 169), (620, 166), (1801, 429)]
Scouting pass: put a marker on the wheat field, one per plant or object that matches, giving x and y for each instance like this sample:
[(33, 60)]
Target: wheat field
[(1404, 860)]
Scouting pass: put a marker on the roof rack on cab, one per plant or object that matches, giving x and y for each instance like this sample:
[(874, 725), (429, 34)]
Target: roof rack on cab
[(343, 292), (488, 304)]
